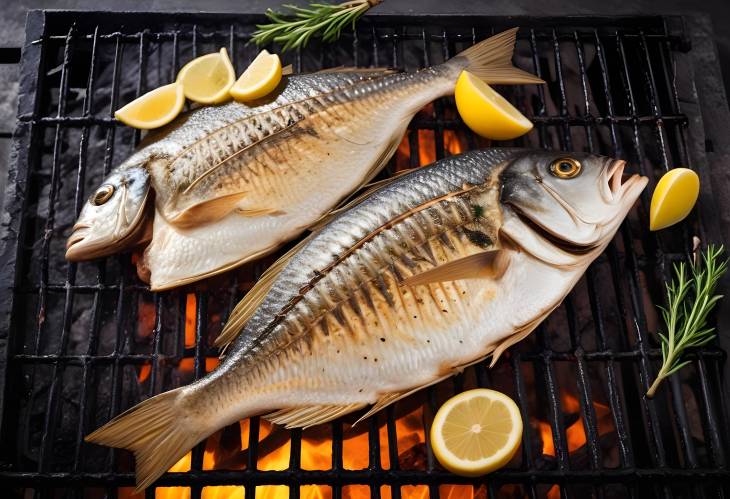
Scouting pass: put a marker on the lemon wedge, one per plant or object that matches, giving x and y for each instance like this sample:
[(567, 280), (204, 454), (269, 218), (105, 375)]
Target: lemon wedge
[(207, 79), (259, 79), (674, 197), (486, 112), (476, 432), (153, 109)]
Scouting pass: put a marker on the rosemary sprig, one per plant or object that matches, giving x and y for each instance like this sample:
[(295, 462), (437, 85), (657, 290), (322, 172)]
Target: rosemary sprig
[(326, 21), (690, 298)]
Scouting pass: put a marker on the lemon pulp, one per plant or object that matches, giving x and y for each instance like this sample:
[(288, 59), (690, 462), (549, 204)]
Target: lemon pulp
[(486, 112), (260, 78), (476, 432), (207, 79), (153, 109), (674, 197)]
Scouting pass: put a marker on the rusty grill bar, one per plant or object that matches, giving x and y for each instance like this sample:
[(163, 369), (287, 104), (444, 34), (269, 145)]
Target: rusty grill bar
[(86, 341)]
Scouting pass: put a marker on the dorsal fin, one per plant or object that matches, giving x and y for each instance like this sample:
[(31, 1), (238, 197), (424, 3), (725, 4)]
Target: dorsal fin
[(251, 301), (348, 69)]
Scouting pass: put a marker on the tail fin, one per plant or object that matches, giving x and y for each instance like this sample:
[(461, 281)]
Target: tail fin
[(491, 60), (156, 434)]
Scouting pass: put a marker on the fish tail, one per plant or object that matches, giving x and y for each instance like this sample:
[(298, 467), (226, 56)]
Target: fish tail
[(158, 433), (491, 60)]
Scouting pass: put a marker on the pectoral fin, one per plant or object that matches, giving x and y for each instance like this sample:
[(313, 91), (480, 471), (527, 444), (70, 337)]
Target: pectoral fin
[(257, 212), (208, 211), (488, 264)]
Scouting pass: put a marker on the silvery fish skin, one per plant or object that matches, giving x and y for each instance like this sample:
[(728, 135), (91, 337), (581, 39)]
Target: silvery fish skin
[(234, 182), (437, 270)]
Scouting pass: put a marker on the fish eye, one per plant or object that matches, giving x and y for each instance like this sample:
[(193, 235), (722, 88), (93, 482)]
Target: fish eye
[(565, 167), (102, 195)]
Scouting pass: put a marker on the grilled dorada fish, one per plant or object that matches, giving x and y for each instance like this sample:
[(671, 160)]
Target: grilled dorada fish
[(430, 273), (234, 182)]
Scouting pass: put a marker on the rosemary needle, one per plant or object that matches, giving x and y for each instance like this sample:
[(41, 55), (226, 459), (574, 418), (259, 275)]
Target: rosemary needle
[(325, 21), (690, 298)]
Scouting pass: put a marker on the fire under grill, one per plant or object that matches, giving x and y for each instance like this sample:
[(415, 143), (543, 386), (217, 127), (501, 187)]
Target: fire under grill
[(87, 341)]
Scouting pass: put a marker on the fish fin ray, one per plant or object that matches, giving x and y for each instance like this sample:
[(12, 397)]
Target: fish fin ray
[(304, 417), (207, 211), (155, 432), (521, 333), (391, 398), (491, 60), (383, 402), (251, 301), (488, 264), (259, 212)]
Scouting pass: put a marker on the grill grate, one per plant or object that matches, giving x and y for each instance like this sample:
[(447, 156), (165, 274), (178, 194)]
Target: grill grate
[(86, 341)]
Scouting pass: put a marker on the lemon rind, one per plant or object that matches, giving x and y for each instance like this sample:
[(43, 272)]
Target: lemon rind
[(655, 207), (223, 94), (120, 113), (255, 92), (511, 124), (493, 462)]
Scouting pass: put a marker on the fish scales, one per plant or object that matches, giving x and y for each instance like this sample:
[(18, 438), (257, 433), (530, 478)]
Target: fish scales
[(424, 276), (220, 134), (412, 231), (233, 182)]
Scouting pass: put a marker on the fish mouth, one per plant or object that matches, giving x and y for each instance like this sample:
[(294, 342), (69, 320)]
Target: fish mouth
[(75, 248), (564, 244), (619, 184)]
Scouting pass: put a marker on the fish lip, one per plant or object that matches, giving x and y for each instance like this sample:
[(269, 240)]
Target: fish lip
[(617, 183), (75, 248), (78, 234)]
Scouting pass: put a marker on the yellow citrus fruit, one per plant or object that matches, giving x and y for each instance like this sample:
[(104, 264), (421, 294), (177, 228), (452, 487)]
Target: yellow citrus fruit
[(476, 432), (259, 79), (674, 197), (207, 79), (486, 112), (153, 109)]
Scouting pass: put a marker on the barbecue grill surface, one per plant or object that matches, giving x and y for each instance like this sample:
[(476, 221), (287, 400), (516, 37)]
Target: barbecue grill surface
[(87, 341)]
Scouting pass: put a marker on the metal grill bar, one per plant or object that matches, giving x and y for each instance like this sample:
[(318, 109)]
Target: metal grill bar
[(611, 89)]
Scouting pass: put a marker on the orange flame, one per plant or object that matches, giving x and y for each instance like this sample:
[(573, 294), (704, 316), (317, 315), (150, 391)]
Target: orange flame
[(575, 433), (454, 143), (190, 314)]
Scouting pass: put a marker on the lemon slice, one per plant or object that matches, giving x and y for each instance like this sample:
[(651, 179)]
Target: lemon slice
[(207, 79), (674, 197), (476, 432), (153, 109), (486, 112), (259, 79)]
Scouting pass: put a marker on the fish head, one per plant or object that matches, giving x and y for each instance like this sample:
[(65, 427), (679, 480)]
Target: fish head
[(575, 201), (114, 217)]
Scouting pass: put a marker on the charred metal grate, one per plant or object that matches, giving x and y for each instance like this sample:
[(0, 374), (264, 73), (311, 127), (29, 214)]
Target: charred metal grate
[(86, 341)]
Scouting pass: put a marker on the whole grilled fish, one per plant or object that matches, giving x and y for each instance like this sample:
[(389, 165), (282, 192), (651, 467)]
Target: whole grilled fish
[(430, 273), (234, 182)]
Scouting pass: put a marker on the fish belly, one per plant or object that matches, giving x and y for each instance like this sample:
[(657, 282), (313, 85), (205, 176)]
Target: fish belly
[(288, 187)]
